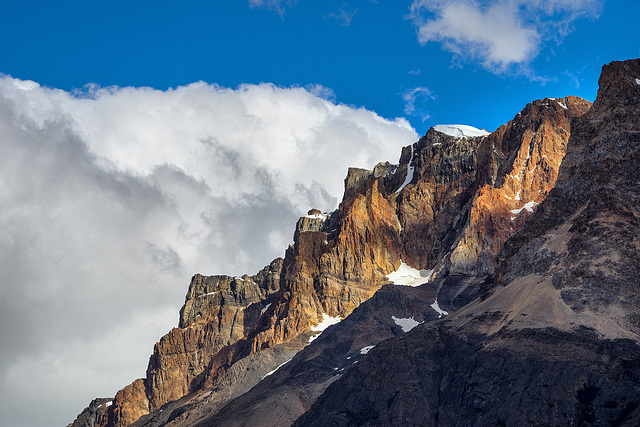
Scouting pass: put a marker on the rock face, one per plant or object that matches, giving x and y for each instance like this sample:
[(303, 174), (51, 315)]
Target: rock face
[(94, 414), (471, 194), (554, 338), (449, 206)]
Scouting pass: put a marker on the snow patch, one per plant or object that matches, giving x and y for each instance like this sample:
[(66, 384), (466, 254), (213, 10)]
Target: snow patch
[(108, 403), (272, 372), (638, 81), (460, 131), (436, 144), (562, 104), (517, 196), (365, 350), (437, 308), (406, 323), (318, 216), (209, 294), (528, 206), (409, 177), (266, 307), (326, 322), (409, 276)]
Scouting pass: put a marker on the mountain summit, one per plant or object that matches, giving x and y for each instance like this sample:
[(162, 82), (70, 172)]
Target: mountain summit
[(486, 279)]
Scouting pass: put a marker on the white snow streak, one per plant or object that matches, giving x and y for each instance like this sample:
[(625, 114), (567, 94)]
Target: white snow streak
[(269, 373), (409, 177), (638, 81), (437, 308), (206, 295)]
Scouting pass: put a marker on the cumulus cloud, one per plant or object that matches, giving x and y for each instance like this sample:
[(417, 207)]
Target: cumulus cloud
[(502, 35), (112, 198)]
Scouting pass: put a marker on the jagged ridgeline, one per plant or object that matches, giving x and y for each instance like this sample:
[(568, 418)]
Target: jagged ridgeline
[(502, 280)]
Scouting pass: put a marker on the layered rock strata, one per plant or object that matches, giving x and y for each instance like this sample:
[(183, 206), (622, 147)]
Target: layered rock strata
[(554, 339), (449, 205)]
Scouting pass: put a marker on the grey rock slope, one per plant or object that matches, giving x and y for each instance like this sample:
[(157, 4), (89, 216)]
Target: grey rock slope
[(283, 396), (553, 340)]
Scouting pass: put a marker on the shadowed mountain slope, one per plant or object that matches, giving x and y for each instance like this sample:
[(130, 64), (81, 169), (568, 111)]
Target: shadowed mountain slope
[(554, 339)]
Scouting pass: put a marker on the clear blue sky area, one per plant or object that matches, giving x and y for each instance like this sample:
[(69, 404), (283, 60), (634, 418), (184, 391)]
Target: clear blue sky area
[(367, 52)]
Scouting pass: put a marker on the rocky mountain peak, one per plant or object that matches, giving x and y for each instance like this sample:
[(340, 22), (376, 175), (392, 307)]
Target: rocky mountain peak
[(581, 244), (527, 312), (553, 338)]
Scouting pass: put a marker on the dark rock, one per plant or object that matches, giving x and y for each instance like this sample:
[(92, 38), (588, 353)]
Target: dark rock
[(355, 178), (93, 415), (553, 338)]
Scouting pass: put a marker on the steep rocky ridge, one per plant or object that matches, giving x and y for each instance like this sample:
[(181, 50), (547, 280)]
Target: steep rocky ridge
[(449, 205), (554, 338)]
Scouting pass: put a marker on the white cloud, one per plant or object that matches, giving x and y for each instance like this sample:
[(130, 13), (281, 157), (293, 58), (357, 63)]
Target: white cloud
[(502, 35), (414, 99), (112, 198)]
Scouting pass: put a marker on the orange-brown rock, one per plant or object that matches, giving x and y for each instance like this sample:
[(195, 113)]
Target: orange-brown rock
[(226, 319), (129, 404), (530, 161), (448, 204), (555, 337)]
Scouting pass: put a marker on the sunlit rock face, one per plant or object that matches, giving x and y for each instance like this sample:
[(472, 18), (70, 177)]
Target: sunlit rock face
[(448, 207), (554, 338), (519, 166)]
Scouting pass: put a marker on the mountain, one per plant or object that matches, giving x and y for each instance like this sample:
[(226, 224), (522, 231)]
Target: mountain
[(524, 309), (553, 340)]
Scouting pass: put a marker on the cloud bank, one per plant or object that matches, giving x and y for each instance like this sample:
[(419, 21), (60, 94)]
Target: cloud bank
[(112, 198), (502, 35)]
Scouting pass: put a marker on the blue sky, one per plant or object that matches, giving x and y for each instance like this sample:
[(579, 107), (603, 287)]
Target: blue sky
[(143, 142), (367, 53)]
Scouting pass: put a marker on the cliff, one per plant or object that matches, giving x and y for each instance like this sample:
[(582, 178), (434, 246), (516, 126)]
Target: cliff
[(448, 206), (554, 337)]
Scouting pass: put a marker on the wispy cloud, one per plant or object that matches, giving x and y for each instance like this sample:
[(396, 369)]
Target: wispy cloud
[(502, 35), (112, 198), (276, 5), (414, 100), (344, 15)]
